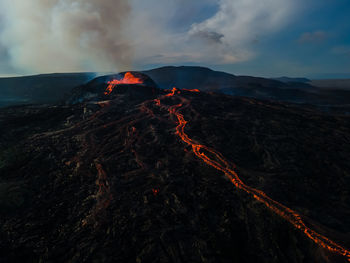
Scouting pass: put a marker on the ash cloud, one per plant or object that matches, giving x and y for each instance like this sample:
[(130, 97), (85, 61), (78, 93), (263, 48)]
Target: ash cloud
[(211, 37), (223, 37), (114, 35), (240, 22), (65, 35)]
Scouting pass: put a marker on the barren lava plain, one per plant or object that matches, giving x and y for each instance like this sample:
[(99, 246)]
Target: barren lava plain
[(108, 178)]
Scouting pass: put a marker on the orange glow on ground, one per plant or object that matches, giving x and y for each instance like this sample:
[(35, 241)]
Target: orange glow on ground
[(192, 90), (129, 78), (216, 160), (155, 191), (157, 101), (172, 93)]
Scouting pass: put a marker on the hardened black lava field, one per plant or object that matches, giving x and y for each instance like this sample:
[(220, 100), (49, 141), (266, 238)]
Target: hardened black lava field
[(140, 174)]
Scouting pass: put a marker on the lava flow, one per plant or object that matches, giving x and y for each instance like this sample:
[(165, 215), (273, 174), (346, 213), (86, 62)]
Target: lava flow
[(192, 90), (128, 78), (216, 160), (172, 92)]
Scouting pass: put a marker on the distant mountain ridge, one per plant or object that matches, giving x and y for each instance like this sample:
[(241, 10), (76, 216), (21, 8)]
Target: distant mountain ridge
[(332, 83), (44, 88), (261, 88), (53, 88), (287, 79), (204, 78)]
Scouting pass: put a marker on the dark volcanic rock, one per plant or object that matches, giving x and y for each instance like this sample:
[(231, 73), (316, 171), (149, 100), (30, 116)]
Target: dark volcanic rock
[(45, 88), (284, 89), (112, 182), (330, 95), (288, 80)]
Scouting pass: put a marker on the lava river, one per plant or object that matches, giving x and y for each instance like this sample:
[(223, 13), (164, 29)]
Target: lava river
[(216, 159)]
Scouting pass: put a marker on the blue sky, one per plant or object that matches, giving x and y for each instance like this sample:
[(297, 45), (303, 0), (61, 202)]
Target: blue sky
[(315, 43), (245, 37)]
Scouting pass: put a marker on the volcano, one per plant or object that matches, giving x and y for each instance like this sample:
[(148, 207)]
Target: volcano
[(128, 172), (134, 83)]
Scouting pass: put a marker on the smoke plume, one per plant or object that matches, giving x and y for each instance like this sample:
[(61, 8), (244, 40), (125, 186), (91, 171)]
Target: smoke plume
[(65, 35), (114, 35), (237, 25), (227, 35)]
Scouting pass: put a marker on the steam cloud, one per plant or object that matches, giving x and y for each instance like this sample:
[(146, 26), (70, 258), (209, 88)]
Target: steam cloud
[(65, 35), (237, 25), (226, 36), (112, 35)]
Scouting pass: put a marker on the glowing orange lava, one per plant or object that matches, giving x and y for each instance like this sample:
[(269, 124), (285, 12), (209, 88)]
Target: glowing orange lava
[(155, 191), (172, 93), (192, 90), (157, 101), (216, 160), (129, 78)]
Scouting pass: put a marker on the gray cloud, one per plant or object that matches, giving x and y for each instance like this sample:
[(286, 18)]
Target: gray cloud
[(211, 37), (240, 22), (65, 35), (227, 36), (112, 35), (313, 37), (5, 65)]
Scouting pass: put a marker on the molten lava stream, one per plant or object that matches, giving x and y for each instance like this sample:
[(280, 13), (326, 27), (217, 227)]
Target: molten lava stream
[(192, 90), (223, 165)]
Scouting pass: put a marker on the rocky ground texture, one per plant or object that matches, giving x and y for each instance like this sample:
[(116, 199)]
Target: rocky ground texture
[(108, 179)]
